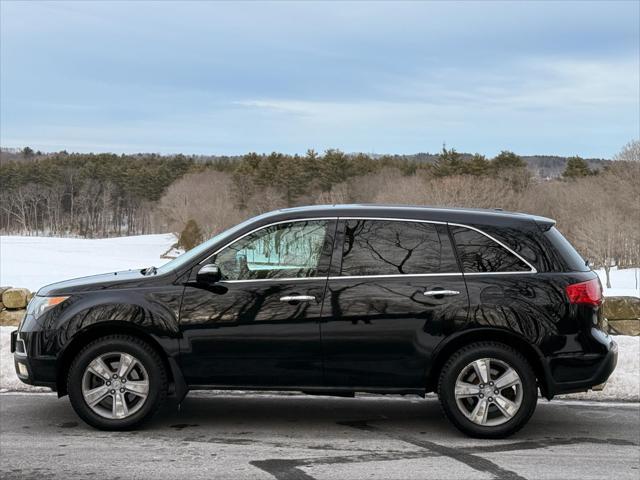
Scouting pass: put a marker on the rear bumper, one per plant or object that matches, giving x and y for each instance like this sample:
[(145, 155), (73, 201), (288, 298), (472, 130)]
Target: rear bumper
[(580, 372)]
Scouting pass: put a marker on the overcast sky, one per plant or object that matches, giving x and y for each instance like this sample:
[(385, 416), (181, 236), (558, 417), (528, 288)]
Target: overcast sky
[(228, 78)]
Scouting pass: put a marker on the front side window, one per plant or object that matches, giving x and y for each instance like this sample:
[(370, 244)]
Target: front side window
[(479, 253), (286, 250), (388, 247)]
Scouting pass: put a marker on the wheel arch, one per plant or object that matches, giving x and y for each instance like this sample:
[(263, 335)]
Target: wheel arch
[(459, 340), (103, 329)]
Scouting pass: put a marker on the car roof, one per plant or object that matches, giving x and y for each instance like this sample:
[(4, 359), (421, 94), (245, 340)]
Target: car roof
[(473, 216)]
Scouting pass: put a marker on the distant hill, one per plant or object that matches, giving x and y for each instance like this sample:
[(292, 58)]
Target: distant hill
[(543, 166)]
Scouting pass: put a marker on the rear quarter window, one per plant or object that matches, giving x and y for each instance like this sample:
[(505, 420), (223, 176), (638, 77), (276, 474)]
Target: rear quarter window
[(480, 254), (570, 256)]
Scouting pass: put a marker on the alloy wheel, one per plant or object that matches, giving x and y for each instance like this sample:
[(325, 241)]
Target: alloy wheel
[(488, 392), (115, 385)]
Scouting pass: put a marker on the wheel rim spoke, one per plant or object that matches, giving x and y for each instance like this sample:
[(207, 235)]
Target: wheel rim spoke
[(483, 369), (96, 395), (506, 406), (127, 362), (100, 369), (139, 388), (466, 390), (119, 409), (479, 413), (508, 379)]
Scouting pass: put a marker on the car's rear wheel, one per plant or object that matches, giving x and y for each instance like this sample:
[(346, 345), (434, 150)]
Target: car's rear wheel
[(117, 382), (488, 390)]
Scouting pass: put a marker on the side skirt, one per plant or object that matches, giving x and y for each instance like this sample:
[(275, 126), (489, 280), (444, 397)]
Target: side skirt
[(330, 391)]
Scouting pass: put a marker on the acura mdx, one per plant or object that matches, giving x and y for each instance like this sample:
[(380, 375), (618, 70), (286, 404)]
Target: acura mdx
[(483, 307)]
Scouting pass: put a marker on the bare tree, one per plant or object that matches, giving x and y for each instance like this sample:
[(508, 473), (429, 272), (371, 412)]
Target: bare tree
[(206, 197), (630, 152)]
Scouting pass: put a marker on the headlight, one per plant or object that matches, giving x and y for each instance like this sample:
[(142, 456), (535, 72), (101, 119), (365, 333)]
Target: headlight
[(38, 305)]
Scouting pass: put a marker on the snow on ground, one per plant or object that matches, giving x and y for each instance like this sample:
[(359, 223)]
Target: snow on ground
[(624, 384), (32, 262), (624, 283)]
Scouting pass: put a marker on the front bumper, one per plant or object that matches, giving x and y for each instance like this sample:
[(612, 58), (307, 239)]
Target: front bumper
[(574, 373), (38, 371)]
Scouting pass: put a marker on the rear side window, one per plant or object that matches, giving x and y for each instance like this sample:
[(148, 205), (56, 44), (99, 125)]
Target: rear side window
[(479, 253), (387, 247), (575, 263)]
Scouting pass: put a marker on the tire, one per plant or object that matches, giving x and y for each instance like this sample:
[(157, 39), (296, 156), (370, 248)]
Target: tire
[(103, 358), (463, 406)]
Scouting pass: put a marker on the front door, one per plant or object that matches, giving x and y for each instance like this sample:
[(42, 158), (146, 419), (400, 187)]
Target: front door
[(259, 325), (394, 292)]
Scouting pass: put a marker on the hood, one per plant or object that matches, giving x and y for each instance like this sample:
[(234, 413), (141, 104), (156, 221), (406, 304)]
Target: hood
[(94, 282)]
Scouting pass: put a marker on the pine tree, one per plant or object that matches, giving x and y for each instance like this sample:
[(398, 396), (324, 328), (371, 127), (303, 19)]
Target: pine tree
[(478, 165), (506, 160), (576, 167), (449, 162), (190, 236)]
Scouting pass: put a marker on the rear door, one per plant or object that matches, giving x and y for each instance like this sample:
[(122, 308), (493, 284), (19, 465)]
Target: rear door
[(395, 290)]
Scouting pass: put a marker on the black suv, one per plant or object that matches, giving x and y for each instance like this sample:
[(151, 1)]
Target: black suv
[(481, 306)]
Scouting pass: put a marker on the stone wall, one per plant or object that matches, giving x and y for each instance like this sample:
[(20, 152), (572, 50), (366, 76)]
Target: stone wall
[(13, 302), (622, 315)]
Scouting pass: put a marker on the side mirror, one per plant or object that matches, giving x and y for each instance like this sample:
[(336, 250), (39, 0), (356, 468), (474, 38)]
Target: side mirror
[(209, 274)]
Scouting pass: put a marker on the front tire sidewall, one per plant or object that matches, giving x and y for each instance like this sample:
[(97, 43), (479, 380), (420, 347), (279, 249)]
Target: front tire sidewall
[(450, 374), (144, 355)]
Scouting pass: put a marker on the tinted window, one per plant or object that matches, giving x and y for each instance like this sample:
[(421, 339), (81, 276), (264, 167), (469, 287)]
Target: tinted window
[(381, 247), (575, 263), (287, 250), (478, 253)]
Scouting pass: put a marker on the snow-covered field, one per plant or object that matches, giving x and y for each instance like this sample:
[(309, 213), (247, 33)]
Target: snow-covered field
[(624, 283), (32, 262)]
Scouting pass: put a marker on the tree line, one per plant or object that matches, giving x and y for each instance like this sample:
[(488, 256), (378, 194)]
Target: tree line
[(597, 204), (87, 195)]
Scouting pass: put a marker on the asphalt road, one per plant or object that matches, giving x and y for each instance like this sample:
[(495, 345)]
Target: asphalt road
[(295, 437)]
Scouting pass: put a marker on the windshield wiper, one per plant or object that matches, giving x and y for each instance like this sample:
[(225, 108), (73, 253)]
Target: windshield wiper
[(149, 271)]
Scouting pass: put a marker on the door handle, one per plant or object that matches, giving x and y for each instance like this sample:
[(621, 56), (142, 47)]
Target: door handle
[(298, 298), (443, 293)]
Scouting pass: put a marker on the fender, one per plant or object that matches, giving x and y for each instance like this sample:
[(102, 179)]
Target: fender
[(152, 311), (150, 315), (477, 334)]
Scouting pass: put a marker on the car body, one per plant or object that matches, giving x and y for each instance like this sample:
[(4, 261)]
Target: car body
[(336, 300)]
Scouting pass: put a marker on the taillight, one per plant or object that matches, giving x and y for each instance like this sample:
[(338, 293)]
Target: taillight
[(585, 293)]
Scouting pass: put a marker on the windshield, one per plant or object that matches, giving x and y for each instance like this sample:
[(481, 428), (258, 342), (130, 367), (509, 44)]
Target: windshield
[(195, 252)]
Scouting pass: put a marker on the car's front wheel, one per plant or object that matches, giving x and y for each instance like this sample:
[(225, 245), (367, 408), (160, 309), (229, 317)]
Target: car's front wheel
[(116, 382), (488, 390)]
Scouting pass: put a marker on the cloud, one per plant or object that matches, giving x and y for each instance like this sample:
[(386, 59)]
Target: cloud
[(540, 84)]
